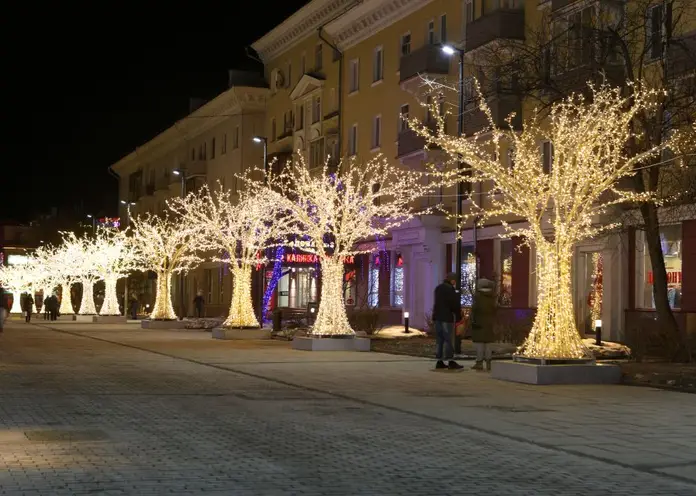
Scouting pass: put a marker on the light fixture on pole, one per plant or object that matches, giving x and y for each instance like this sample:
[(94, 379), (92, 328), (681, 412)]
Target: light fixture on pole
[(598, 332), (406, 316), (94, 221)]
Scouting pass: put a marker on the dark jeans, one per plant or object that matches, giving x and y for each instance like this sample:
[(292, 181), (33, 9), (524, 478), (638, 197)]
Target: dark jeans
[(443, 334), (199, 311), (54, 314), (28, 317)]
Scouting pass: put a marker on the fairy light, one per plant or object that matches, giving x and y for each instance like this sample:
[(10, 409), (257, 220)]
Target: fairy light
[(114, 259), (165, 246), (275, 277), (241, 232), (563, 205), (81, 254), (597, 292), (16, 279), (355, 203)]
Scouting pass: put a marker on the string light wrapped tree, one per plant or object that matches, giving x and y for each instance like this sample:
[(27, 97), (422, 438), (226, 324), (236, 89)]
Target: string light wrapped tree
[(164, 245), (564, 205), (65, 262), (17, 279), (44, 257), (114, 260), (240, 232), (334, 210), (82, 254)]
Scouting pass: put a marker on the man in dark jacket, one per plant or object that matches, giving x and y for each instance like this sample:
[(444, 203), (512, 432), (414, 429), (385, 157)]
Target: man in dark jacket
[(446, 311), (28, 307), (482, 322)]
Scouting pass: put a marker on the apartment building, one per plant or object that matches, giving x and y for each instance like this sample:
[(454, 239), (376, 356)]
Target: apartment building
[(344, 74), (212, 145)]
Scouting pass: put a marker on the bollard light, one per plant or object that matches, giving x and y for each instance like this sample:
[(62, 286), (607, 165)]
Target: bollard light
[(598, 332), (406, 315)]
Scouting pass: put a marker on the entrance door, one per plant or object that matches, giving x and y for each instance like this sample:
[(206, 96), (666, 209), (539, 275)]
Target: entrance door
[(589, 294)]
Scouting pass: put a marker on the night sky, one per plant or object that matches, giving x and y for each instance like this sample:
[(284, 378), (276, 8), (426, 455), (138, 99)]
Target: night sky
[(85, 83)]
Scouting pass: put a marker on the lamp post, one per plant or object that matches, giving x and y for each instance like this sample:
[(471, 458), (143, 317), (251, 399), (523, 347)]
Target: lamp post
[(125, 287), (406, 316), (259, 291), (94, 222)]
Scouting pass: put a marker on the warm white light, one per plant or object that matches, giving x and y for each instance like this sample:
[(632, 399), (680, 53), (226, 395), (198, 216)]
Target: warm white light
[(448, 49), (257, 139), (176, 172), (598, 323), (350, 203), (406, 314), (123, 202), (312, 310), (562, 206)]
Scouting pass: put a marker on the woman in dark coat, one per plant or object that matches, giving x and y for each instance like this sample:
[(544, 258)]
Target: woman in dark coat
[(482, 321)]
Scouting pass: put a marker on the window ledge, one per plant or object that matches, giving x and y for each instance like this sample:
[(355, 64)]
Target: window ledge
[(376, 149), (378, 82), (355, 92)]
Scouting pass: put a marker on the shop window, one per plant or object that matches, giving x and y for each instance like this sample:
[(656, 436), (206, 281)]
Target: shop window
[(468, 275), (349, 286), (397, 286), (670, 240), (373, 283), (505, 283)]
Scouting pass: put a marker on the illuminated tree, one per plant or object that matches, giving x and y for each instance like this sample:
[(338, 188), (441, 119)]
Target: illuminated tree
[(240, 233), (563, 205), (114, 259), (64, 264), (44, 260), (164, 245), (336, 210), (81, 255), (17, 279)]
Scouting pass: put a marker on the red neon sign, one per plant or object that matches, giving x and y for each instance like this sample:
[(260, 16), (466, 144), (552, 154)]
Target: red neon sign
[(310, 258)]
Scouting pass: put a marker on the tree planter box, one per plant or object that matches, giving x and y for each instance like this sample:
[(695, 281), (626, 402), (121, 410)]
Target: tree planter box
[(163, 324), (111, 319), (566, 373), (247, 334), (84, 318), (65, 318), (310, 343)]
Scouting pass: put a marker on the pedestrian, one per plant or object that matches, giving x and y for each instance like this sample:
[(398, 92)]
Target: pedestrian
[(28, 305), (133, 307), (198, 303), (446, 311), (46, 309), (4, 309), (482, 320), (55, 306)]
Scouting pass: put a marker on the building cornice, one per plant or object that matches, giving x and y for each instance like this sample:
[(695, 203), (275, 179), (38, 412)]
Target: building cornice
[(298, 27), (234, 101), (369, 18)]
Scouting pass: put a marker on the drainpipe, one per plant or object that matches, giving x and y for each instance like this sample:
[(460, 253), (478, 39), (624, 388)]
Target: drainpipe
[(340, 73)]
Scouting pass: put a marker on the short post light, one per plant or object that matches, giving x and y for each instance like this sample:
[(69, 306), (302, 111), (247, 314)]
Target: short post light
[(406, 316), (598, 332)]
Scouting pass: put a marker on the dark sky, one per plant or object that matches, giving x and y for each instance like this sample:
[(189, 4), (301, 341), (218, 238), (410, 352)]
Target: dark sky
[(83, 84)]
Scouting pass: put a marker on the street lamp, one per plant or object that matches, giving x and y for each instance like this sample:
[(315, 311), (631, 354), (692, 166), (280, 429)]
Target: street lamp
[(94, 221)]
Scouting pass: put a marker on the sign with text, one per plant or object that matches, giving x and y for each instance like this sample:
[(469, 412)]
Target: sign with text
[(309, 258)]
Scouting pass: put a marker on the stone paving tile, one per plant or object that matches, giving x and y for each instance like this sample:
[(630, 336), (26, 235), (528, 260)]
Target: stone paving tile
[(177, 427)]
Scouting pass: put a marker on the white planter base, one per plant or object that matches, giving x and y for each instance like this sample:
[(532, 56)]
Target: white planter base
[(529, 373), (111, 319), (163, 324), (309, 343), (65, 318), (85, 318), (247, 334)]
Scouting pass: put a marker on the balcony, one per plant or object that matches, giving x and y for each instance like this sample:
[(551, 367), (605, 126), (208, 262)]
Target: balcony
[(576, 79), (501, 106), (500, 24), (427, 60), (410, 142)]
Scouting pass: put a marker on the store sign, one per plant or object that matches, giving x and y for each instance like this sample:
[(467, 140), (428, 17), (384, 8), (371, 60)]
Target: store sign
[(17, 260), (310, 258), (672, 277)]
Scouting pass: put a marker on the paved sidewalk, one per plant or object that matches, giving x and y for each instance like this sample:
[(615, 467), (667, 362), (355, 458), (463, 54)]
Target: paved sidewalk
[(103, 409)]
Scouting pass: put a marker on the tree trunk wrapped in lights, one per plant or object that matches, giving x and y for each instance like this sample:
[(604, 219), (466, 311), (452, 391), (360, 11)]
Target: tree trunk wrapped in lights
[(164, 245), (66, 307), (163, 309), (566, 202), (242, 232), (17, 279), (110, 305), (114, 259), (87, 306), (241, 308), (332, 209)]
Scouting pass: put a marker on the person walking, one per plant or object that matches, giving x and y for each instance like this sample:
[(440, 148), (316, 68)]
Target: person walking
[(446, 311), (4, 309), (198, 303), (52, 306), (133, 307), (482, 320), (46, 307), (28, 307)]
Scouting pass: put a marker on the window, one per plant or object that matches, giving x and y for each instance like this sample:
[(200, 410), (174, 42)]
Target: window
[(193, 154), (654, 26), (397, 285), (288, 81), (354, 76), (316, 153), (405, 48), (235, 138), (670, 241), (469, 11), (316, 109), (443, 28), (287, 122), (505, 289), (431, 33), (300, 117), (547, 156), (353, 140), (378, 65), (318, 57), (273, 129), (223, 145), (403, 118), (303, 64), (209, 283), (212, 148), (468, 276), (376, 132), (373, 283)]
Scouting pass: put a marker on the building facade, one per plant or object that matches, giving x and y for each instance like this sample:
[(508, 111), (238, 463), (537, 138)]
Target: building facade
[(343, 76)]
